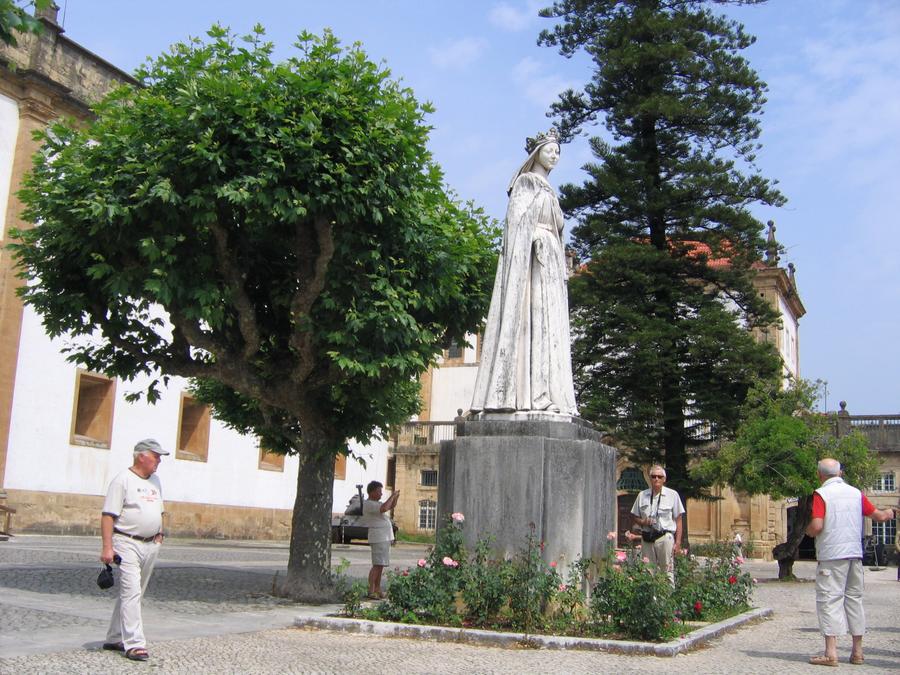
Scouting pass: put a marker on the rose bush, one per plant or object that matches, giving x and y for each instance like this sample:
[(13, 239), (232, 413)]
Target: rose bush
[(620, 595)]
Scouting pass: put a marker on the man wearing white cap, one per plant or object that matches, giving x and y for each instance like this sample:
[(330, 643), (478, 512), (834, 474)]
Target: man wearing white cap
[(131, 528)]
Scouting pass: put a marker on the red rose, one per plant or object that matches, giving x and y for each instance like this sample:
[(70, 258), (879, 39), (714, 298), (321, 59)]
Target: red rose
[(698, 607), (732, 579)]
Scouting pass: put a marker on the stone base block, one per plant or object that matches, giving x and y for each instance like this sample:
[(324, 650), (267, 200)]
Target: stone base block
[(508, 475)]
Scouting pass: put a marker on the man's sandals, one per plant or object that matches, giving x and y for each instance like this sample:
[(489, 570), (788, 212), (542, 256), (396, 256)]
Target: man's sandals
[(137, 654), (823, 661)]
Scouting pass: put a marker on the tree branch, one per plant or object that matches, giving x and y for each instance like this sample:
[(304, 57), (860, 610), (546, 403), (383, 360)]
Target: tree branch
[(306, 295), (235, 278)]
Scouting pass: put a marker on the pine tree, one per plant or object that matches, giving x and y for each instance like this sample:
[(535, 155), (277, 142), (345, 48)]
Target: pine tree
[(664, 304)]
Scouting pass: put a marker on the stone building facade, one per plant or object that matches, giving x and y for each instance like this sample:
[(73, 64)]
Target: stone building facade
[(883, 434)]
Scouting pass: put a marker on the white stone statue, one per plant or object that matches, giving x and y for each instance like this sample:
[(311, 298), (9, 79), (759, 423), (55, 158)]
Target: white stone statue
[(526, 361)]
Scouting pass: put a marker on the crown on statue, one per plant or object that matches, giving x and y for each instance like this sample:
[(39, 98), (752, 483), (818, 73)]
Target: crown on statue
[(550, 137)]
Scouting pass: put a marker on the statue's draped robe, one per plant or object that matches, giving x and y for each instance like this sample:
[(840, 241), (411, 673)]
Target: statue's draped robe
[(526, 361)]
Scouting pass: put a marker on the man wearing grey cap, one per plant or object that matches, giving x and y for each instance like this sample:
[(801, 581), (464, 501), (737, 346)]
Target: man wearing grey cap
[(131, 528)]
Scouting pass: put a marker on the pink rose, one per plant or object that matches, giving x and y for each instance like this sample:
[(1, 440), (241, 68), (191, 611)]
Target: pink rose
[(562, 587), (422, 562), (553, 564), (646, 559), (739, 560), (621, 556), (457, 517), (449, 562), (611, 536)]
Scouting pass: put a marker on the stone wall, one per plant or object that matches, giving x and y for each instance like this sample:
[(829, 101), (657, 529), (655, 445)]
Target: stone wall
[(61, 513)]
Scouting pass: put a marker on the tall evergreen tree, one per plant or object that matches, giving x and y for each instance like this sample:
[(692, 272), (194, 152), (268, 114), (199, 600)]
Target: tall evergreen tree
[(664, 304)]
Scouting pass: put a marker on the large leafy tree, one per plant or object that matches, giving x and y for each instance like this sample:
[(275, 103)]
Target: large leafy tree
[(664, 303), (276, 231), (775, 451)]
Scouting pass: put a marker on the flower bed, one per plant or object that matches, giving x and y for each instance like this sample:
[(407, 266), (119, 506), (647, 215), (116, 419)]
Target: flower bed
[(620, 596)]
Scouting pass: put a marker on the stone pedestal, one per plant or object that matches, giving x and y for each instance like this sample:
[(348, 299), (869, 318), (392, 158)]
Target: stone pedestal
[(507, 471)]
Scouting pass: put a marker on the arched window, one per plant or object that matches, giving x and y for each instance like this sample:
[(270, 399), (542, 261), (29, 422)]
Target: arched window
[(632, 480)]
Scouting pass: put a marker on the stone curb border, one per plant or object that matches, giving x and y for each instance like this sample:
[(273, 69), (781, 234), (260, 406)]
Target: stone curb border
[(514, 640)]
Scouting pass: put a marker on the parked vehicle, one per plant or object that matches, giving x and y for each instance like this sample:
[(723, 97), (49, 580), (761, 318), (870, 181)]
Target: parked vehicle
[(350, 526)]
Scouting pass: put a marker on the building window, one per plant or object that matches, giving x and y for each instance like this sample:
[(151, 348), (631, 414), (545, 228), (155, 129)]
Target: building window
[(340, 467), (631, 480), (193, 430), (427, 514), (391, 478), (92, 416), (428, 478), (885, 483), (270, 461), (454, 351), (886, 532)]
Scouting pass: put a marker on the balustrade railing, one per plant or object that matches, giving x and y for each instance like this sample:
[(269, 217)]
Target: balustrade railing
[(422, 433), (883, 431)]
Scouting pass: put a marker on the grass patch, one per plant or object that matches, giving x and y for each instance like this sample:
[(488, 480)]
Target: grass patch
[(415, 537)]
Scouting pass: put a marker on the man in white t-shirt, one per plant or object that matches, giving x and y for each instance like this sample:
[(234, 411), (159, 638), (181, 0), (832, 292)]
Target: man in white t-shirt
[(381, 533), (131, 528), (659, 513)]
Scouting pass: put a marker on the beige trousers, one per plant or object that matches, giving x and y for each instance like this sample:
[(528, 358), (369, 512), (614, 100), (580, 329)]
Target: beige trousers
[(138, 559), (660, 552), (839, 597)]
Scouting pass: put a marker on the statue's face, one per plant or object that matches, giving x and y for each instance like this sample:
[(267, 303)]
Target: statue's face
[(548, 155)]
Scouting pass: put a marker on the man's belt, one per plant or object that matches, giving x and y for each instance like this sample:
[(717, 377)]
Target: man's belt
[(134, 536)]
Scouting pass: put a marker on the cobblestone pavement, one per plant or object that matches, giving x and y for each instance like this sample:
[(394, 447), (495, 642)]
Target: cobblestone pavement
[(208, 611)]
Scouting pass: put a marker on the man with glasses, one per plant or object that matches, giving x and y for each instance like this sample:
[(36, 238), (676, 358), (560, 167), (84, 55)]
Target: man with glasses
[(659, 513)]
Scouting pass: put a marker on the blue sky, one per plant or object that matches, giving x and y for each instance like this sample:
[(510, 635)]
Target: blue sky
[(831, 130)]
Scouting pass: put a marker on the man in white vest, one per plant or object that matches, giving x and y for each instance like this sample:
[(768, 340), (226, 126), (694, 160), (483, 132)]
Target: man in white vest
[(837, 525)]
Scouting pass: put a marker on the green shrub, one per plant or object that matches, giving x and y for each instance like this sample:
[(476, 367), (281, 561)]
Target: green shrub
[(717, 588), (632, 598), (721, 549), (486, 585), (536, 583), (629, 598)]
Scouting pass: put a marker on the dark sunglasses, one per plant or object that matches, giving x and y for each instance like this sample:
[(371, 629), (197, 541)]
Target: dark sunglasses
[(658, 476)]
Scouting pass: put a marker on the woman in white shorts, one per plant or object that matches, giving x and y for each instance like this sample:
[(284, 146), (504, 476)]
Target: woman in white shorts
[(381, 533)]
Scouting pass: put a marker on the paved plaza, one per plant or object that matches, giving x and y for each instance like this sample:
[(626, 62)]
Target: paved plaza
[(209, 610)]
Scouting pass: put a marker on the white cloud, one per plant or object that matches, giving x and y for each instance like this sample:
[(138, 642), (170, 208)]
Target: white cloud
[(457, 54), (848, 98), (538, 85), (515, 18)]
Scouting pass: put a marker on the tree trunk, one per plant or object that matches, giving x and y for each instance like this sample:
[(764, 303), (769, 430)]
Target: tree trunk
[(685, 540), (309, 564), (786, 553)]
